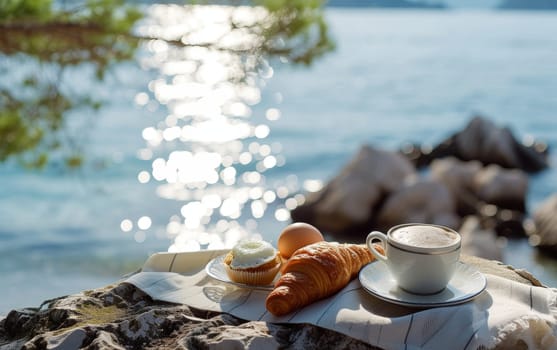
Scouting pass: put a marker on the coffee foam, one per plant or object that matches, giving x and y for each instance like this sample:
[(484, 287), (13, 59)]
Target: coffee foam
[(424, 236)]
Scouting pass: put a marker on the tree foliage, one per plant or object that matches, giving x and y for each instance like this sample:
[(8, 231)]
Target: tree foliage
[(48, 40), (52, 36)]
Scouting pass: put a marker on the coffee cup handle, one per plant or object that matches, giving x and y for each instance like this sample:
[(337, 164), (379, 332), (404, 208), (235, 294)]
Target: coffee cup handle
[(369, 242)]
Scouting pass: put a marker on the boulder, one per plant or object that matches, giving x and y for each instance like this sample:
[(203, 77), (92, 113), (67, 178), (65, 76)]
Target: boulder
[(487, 143), (502, 187), (348, 202), (458, 176), (508, 223), (494, 194), (123, 317), (545, 225), (424, 201), (482, 140), (474, 185), (478, 241), (379, 189)]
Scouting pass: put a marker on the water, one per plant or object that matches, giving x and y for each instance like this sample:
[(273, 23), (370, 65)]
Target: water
[(396, 76)]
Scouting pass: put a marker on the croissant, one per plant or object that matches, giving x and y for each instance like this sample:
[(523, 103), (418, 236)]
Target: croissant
[(315, 272)]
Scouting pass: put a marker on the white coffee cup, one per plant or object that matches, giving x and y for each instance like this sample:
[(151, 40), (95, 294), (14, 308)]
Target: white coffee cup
[(422, 258)]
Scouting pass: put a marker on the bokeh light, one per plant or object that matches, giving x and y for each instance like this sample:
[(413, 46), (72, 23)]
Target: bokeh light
[(211, 152), (126, 225), (144, 223)]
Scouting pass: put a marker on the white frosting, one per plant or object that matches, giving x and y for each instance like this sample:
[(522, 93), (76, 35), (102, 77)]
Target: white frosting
[(252, 253)]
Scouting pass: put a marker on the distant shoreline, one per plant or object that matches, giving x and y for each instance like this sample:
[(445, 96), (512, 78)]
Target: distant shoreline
[(505, 5), (389, 4), (529, 5)]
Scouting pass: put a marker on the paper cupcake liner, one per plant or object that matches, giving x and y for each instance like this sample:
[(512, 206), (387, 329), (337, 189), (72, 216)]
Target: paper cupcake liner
[(258, 278)]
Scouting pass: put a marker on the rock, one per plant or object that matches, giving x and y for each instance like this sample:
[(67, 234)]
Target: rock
[(123, 317), (348, 201), (419, 155), (378, 190), (250, 335), (497, 268), (68, 340), (494, 194), (422, 201), (545, 225), (474, 185), (509, 223), (458, 176), (483, 141), (480, 242), (502, 187)]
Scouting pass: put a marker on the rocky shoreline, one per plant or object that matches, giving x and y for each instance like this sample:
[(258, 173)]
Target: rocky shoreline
[(475, 181)]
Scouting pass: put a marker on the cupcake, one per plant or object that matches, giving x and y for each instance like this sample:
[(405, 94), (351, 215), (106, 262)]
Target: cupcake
[(253, 262)]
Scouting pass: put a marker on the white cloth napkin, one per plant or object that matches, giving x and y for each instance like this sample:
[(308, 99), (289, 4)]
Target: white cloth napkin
[(507, 312)]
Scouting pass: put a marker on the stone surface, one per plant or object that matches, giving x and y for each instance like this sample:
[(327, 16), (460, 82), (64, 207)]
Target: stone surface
[(487, 143), (545, 225), (122, 317), (458, 176), (502, 187), (474, 185), (349, 200), (497, 196), (365, 197), (478, 241), (419, 201), (500, 269)]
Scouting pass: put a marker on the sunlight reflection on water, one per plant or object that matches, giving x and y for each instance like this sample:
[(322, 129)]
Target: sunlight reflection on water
[(209, 153)]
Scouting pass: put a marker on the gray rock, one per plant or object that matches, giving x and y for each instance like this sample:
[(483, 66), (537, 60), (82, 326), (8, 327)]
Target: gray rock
[(379, 189), (67, 340), (482, 140), (458, 176), (123, 317), (502, 187), (545, 223), (423, 201), (480, 242), (487, 143), (350, 198), (497, 268), (494, 194), (473, 185)]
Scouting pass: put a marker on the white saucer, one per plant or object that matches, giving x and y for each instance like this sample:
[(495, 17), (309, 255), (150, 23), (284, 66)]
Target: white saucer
[(466, 284), (215, 269)]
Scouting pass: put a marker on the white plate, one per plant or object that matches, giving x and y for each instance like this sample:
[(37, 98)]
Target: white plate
[(466, 284), (215, 268)]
